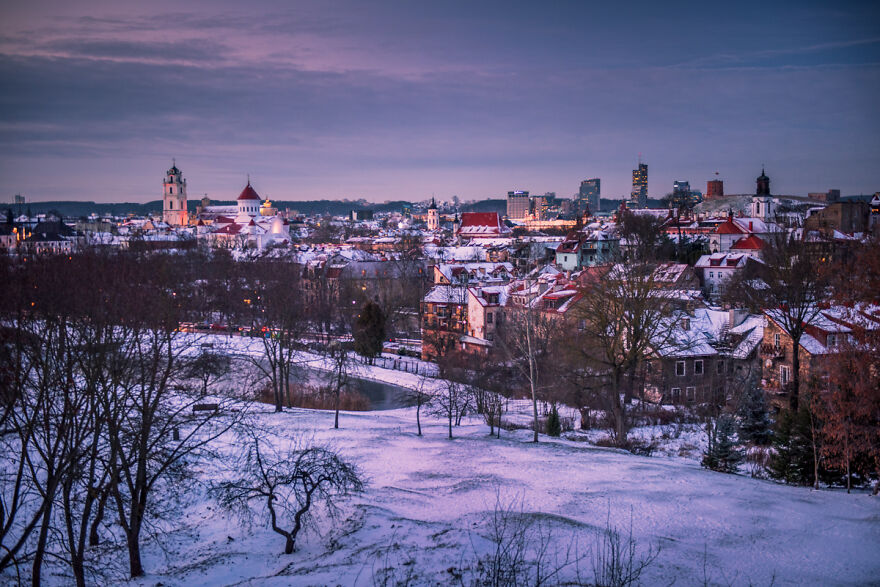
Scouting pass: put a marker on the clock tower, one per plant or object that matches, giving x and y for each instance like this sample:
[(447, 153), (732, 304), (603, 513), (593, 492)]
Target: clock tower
[(174, 198)]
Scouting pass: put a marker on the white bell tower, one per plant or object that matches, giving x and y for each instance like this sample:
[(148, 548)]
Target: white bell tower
[(174, 198)]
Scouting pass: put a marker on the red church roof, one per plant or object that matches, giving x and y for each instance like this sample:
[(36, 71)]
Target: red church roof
[(729, 227), (481, 224), (751, 243), (248, 193)]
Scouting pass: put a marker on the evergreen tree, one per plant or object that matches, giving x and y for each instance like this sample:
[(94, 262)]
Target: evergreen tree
[(755, 425), (369, 331), (794, 461), (722, 454), (554, 426)]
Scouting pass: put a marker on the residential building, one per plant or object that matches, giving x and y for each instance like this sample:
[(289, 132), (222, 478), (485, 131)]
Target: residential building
[(844, 217), (444, 320), (825, 333), (717, 269)]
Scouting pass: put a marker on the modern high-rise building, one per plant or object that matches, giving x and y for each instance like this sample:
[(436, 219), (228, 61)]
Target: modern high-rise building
[(639, 195), (518, 204), (589, 195)]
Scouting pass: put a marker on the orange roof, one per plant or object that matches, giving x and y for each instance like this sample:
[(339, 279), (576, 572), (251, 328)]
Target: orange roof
[(750, 242), (729, 227)]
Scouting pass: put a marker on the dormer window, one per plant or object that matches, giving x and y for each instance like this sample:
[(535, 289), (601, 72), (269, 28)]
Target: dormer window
[(832, 340)]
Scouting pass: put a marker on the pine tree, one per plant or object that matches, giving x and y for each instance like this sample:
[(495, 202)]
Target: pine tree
[(755, 425), (369, 331), (793, 461), (554, 426), (722, 454)]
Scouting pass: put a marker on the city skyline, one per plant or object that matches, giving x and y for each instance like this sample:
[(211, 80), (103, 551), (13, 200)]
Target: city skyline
[(401, 101)]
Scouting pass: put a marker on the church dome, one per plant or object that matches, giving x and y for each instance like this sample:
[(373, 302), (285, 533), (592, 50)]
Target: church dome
[(248, 193)]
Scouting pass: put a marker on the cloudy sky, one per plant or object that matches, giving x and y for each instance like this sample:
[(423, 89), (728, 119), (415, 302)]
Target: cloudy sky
[(403, 99)]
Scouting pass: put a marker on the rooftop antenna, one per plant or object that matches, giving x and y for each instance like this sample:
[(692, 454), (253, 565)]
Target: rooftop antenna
[(249, 178)]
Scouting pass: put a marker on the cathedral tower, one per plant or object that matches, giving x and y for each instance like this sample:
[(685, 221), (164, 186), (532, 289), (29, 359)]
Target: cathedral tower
[(174, 198)]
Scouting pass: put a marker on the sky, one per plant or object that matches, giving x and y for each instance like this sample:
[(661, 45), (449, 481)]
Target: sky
[(387, 100)]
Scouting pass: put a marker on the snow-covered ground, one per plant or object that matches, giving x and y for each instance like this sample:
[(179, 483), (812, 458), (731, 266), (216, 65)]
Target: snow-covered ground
[(425, 507), (427, 498)]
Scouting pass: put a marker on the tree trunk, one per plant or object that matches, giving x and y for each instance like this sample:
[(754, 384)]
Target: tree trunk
[(40, 552), (418, 420), (136, 568), (288, 545), (793, 400)]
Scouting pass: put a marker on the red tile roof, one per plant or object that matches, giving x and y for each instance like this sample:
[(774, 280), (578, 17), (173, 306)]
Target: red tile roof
[(729, 227), (751, 243), (248, 193)]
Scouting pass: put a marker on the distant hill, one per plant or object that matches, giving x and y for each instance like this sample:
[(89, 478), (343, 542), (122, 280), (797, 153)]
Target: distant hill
[(76, 209), (499, 206)]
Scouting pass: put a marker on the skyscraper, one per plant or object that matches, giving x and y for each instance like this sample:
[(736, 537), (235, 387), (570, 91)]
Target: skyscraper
[(639, 195), (517, 204), (589, 194)]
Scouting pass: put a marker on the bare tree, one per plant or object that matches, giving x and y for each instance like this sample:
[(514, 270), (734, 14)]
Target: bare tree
[(623, 319), (338, 376), (525, 338), (292, 484), (790, 284), (278, 316)]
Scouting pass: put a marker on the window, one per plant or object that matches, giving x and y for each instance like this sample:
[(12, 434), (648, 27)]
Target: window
[(777, 340), (691, 394), (679, 368), (676, 395), (582, 324), (698, 367), (832, 340), (719, 367), (711, 274), (171, 191), (489, 318), (784, 374)]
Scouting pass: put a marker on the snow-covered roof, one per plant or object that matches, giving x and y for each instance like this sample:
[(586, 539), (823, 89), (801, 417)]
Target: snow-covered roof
[(446, 294)]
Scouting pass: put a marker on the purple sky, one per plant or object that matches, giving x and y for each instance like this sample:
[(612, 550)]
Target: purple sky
[(402, 99)]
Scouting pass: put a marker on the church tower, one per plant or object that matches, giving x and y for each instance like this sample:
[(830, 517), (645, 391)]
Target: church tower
[(174, 198), (763, 205), (433, 216)]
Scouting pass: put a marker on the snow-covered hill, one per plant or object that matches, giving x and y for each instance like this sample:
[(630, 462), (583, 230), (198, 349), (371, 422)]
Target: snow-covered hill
[(424, 512)]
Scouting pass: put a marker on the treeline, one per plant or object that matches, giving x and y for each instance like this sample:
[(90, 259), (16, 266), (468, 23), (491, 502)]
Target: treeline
[(104, 406)]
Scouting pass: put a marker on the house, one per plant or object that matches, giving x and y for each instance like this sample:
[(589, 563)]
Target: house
[(464, 273), (826, 332), (444, 319), (485, 311), (716, 270), (586, 248), (711, 357)]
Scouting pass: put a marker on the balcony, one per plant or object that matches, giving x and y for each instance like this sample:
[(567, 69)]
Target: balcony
[(772, 351)]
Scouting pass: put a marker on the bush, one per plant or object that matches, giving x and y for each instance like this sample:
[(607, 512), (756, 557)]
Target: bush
[(722, 454), (553, 426)]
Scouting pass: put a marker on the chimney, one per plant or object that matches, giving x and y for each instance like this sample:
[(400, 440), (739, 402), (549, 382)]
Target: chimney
[(750, 226), (736, 317), (686, 323)]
